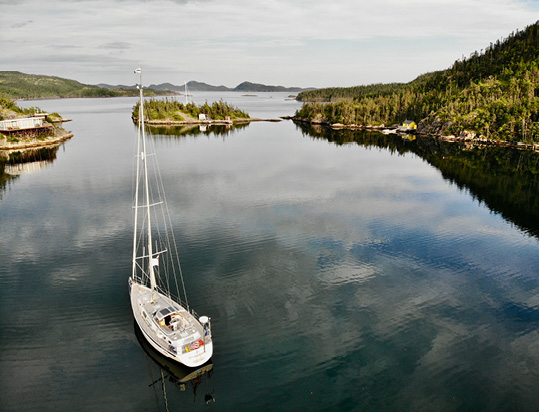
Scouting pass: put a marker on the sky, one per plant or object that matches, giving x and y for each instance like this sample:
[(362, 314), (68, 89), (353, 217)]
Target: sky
[(300, 43)]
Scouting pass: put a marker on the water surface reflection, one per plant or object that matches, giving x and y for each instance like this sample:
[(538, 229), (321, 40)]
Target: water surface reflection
[(338, 276), (505, 179), (15, 162)]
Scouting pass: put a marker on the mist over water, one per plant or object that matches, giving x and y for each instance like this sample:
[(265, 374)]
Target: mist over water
[(360, 274)]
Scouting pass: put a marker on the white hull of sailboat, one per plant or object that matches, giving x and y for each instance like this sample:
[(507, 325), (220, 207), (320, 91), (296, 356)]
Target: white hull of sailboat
[(169, 327)]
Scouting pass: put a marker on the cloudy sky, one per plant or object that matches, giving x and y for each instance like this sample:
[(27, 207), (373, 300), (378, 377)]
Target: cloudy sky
[(306, 43)]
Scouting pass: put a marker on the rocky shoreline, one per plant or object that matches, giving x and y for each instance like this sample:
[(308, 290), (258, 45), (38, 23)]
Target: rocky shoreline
[(467, 137), (35, 143)]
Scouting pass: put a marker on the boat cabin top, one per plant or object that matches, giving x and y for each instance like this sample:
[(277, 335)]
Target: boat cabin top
[(168, 311)]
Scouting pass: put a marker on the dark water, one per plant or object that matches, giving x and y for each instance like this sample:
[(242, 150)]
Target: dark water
[(342, 272)]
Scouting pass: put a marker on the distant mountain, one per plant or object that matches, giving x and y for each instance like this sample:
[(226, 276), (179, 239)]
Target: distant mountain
[(166, 86), (256, 87), (118, 86), (204, 87), (194, 86)]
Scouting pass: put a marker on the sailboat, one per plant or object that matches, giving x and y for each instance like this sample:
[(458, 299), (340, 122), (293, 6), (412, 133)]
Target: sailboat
[(176, 373), (166, 321)]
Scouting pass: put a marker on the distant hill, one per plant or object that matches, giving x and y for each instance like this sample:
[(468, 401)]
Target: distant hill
[(194, 86), (167, 86), (118, 86), (256, 87), (17, 85)]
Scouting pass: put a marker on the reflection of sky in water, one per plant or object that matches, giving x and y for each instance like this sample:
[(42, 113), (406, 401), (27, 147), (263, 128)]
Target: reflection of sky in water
[(354, 274), (388, 260)]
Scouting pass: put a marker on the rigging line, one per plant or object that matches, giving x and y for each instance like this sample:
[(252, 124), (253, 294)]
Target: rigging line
[(160, 252), (168, 235), (172, 245), (166, 217), (150, 205), (164, 390), (151, 377)]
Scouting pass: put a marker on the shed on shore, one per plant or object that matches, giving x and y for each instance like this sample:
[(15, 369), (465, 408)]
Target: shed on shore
[(409, 124)]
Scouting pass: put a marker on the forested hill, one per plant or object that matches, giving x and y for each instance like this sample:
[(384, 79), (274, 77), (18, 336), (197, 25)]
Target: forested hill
[(17, 85), (493, 93), (330, 94)]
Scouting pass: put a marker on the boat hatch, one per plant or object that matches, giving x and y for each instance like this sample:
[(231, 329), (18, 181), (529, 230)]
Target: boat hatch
[(168, 311)]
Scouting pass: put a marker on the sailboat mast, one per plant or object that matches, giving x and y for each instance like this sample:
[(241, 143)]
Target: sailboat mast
[(137, 184), (144, 159)]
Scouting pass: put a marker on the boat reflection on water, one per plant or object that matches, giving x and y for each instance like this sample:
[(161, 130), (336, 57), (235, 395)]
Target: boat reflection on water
[(181, 376)]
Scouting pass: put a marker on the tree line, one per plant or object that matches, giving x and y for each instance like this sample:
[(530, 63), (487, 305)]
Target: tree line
[(171, 109), (493, 93)]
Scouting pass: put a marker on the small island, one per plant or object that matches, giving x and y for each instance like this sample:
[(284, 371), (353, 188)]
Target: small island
[(172, 112), (29, 128)]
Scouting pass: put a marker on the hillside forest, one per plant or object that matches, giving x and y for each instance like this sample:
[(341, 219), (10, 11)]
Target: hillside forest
[(491, 94)]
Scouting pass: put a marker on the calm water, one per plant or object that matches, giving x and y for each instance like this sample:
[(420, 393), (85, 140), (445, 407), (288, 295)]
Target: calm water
[(340, 275)]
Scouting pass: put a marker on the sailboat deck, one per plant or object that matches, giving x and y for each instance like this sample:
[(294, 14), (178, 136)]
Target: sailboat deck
[(176, 322), (169, 318)]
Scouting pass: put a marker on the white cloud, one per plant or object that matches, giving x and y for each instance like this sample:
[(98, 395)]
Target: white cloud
[(303, 43)]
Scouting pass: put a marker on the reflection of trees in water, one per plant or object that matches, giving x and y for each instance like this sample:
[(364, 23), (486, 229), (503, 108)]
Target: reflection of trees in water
[(197, 130), (15, 162), (5, 179), (13, 157), (505, 180)]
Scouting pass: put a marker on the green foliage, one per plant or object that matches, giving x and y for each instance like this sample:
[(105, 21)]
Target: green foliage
[(12, 139), (10, 105), (494, 94), (346, 93), (173, 110), (9, 109)]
